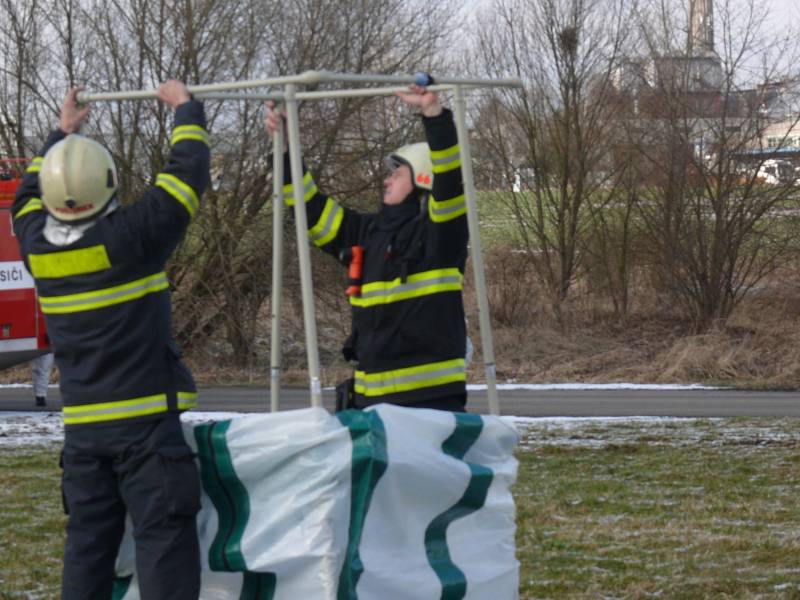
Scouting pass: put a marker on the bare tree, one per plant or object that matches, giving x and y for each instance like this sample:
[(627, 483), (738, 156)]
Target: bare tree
[(717, 230), (21, 49), (220, 275), (565, 51)]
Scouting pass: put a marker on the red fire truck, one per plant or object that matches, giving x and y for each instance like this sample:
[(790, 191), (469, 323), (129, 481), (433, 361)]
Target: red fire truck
[(22, 331)]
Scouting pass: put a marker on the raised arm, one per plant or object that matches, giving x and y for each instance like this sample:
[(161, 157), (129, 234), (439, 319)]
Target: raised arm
[(446, 206), (331, 227), (160, 217)]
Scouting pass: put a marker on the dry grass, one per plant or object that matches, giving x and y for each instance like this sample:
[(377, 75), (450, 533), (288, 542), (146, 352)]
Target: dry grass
[(756, 348)]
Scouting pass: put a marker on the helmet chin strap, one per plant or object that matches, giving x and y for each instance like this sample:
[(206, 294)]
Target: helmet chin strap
[(416, 196), (61, 233)]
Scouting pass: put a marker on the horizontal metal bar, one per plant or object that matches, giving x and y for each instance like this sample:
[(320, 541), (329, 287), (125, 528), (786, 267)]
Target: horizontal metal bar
[(305, 78), (263, 96), (409, 79), (318, 95)]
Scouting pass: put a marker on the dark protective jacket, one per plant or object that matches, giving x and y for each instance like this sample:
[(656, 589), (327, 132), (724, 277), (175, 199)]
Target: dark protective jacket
[(106, 297), (408, 321)]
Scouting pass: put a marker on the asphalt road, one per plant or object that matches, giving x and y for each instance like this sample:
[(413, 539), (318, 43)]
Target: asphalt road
[(546, 403)]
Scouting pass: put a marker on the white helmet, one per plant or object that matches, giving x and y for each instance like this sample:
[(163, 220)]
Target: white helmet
[(418, 158), (78, 178)]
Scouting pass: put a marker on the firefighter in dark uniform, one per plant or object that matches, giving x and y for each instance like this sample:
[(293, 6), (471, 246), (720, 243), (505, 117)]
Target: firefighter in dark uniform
[(409, 334), (99, 271)]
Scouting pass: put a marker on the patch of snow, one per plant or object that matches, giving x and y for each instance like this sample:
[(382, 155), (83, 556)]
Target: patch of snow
[(21, 428), (594, 386), (512, 384), (24, 385)]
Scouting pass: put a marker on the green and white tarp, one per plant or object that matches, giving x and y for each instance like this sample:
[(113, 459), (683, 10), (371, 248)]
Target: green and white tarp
[(388, 503)]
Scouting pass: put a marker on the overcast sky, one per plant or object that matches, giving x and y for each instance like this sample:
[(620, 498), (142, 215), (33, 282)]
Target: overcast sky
[(787, 6), (783, 11)]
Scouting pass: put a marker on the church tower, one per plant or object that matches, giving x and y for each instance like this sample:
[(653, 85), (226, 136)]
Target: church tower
[(701, 27)]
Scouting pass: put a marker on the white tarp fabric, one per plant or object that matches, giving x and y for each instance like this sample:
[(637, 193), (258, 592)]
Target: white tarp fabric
[(388, 503)]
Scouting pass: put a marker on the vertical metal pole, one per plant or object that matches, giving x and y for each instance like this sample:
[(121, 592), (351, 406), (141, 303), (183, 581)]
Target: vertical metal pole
[(277, 270), (477, 253), (312, 351)]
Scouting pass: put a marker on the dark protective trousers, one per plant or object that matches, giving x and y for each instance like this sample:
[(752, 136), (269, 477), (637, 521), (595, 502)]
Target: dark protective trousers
[(147, 469)]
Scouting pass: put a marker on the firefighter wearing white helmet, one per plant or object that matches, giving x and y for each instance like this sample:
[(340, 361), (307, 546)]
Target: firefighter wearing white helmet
[(100, 275), (78, 178), (418, 158), (406, 267)]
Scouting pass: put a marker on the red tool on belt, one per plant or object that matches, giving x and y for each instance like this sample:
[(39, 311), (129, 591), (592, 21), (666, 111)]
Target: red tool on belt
[(356, 256)]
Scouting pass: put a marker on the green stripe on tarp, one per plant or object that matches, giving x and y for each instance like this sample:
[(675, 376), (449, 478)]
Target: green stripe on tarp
[(226, 492), (370, 459), (230, 499), (258, 586), (454, 582), (120, 587)]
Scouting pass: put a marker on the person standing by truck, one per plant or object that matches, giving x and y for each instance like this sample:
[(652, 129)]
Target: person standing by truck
[(41, 368)]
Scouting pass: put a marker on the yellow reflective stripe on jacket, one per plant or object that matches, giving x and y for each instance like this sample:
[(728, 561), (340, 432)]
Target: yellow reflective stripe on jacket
[(30, 206), (189, 132), (411, 378), (446, 160), (111, 411), (309, 189), (105, 297), (187, 400), (327, 226), (447, 210), (415, 286), (182, 192), (69, 262), (36, 165)]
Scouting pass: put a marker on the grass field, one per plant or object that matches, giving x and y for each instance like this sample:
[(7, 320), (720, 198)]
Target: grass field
[(614, 508), (660, 509)]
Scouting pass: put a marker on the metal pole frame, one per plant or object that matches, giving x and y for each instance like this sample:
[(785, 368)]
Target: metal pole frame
[(477, 253), (290, 97), (277, 270), (301, 226)]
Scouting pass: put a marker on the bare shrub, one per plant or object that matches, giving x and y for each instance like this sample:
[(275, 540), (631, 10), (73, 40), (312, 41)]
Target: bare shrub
[(514, 294)]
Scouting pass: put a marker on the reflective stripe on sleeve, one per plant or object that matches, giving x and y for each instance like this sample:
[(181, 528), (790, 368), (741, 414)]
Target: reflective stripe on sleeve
[(179, 190), (447, 210), (36, 165), (31, 205), (104, 297), (189, 132), (69, 262), (446, 160), (410, 378), (187, 400), (328, 225), (415, 286), (309, 189)]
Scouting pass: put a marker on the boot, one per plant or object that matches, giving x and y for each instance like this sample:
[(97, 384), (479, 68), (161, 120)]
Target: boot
[(40, 401)]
